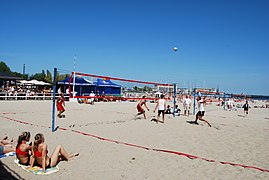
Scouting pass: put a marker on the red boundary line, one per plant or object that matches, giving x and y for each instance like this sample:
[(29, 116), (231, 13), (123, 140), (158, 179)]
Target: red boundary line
[(146, 148)]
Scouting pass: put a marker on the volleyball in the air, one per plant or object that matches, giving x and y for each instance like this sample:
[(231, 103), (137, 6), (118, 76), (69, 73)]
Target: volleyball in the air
[(175, 48)]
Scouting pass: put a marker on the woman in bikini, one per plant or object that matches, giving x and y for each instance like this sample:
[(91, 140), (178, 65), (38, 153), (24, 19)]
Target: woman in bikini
[(40, 150), (23, 150)]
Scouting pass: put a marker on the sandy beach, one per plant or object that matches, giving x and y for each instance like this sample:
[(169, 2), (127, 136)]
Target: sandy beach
[(93, 130)]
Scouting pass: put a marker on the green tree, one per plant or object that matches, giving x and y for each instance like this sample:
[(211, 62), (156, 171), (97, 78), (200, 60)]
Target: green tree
[(39, 76), (4, 67), (60, 77), (136, 89), (147, 89), (24, 76), (48, 77)]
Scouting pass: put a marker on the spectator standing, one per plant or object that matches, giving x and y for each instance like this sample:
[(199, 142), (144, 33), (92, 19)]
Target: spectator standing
[(187, 105)]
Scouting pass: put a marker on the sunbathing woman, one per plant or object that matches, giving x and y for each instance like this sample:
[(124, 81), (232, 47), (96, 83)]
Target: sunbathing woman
[(6, 146), (40, 150), (23, 150)]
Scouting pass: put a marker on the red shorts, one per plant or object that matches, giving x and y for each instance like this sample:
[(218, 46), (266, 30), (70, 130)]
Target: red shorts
[(140, 109), (60, 107)]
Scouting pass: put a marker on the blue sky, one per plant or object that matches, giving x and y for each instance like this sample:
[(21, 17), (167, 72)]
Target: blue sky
[(221, 43)]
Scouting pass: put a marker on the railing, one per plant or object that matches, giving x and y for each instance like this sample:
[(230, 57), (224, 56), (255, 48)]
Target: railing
[(24, 96)]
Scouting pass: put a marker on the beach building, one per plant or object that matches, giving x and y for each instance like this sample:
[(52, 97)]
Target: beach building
[(7, 79)]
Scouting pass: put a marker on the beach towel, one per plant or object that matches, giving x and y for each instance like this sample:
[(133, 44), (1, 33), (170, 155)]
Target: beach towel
[(7, 154), (37, 170)]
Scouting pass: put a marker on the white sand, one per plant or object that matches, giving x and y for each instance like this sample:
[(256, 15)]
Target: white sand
[(233, 138)]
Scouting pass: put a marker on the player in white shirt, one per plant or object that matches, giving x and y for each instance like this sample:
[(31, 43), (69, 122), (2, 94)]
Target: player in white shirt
[(92, 95), (201, 111), (161, 105), (187, 105)]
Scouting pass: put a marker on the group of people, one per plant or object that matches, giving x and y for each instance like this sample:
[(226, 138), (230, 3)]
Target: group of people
[(170, 110), (161, 106), (22, 90), (230, 105), (36, 152), (163, 109), (87, 100)]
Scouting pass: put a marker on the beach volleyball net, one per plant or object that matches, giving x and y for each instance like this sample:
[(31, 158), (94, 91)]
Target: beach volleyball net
[(106, 88), (89, 88)]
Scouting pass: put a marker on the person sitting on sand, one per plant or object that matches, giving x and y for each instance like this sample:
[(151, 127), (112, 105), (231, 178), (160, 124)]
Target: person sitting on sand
[(40, 151), (23, 150), (177, 111), (60, 105), (91, 100), (168, 110), (201, 112), (140, 108), (6, 146)]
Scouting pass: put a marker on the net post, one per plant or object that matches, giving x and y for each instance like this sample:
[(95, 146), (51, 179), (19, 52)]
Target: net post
[(53, 100), (224, 101), (194, 99), (74, 81), (175, 100)]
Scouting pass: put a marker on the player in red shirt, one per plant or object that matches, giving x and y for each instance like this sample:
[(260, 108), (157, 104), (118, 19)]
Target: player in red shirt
[(60, 105), (140, 109)]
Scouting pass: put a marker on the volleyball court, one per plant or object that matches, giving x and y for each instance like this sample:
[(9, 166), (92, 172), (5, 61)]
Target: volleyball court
[(114, 126)]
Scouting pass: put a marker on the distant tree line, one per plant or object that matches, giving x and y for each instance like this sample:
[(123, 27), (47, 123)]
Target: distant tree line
[(144, 89), (45, 76), (138, 89)]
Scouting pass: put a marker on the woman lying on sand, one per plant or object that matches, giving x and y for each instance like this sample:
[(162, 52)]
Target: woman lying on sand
[(6, 146)]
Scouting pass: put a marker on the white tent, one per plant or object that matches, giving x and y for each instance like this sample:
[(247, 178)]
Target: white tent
[(24, 82), (34, 82)]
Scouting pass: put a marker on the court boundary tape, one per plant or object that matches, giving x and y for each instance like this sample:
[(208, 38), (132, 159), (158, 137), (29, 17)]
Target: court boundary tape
[(143, 147)]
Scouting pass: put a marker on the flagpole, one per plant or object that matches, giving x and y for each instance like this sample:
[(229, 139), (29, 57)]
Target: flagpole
[(74, 76)]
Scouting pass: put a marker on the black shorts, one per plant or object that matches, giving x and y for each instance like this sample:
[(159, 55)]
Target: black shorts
[(49, 166), (200, 113), (25, 164), (160, 111)]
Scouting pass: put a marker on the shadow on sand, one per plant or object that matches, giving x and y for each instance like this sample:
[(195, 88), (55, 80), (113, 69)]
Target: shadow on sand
[(155, 120), (7, 173), (192, 122)]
